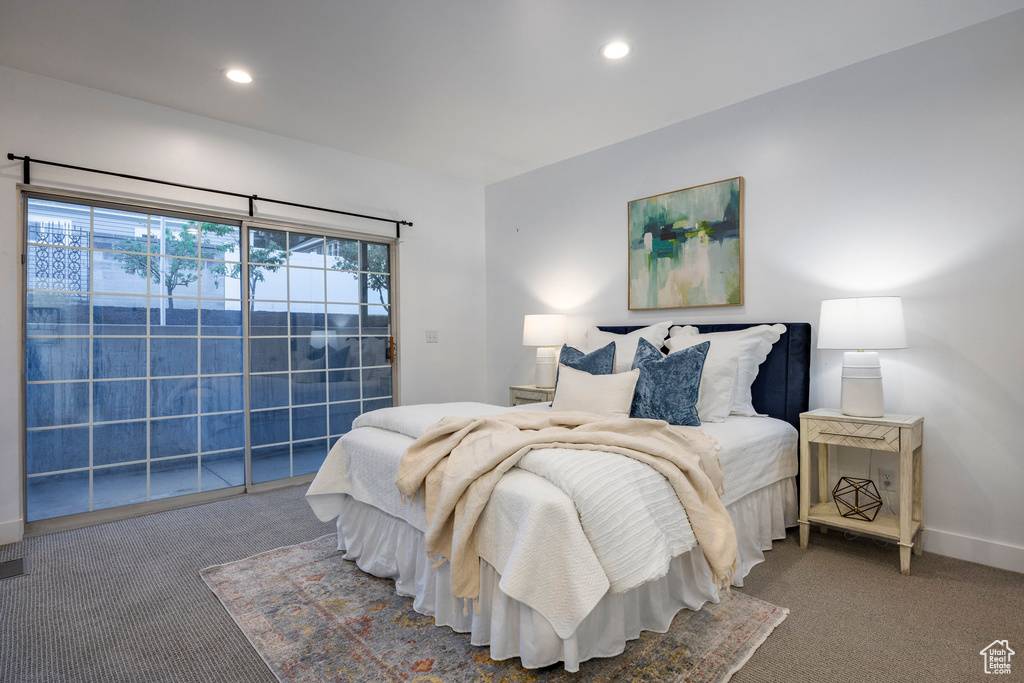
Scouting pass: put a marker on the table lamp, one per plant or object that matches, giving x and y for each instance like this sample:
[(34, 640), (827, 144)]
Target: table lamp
[(545, 332), (862, 323)]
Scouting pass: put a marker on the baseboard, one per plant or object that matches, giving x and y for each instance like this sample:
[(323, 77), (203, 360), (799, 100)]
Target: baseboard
[(991, 553), (12, 531)]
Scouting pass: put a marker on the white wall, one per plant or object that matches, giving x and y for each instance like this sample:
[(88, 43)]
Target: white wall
[(441, 257), (900, 175)]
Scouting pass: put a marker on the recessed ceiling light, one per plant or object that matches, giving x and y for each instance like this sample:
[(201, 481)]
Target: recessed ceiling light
[(617, 49), (238, 76)]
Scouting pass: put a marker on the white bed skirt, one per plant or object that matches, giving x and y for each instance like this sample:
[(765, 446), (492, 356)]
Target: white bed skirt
[(388, 547)]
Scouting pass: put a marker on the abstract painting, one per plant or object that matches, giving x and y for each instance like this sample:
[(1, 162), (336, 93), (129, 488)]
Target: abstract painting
[(686, 247)]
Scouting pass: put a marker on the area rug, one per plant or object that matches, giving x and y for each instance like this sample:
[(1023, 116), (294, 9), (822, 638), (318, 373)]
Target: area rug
[(313, 616)]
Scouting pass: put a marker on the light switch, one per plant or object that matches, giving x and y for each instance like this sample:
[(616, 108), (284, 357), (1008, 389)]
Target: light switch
[(431, 336)]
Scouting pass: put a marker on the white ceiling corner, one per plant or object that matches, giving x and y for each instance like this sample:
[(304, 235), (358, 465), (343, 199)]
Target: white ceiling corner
[(476, 90)]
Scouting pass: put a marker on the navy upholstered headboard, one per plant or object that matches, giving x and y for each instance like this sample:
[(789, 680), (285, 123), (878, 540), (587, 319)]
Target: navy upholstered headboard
[(782, 387)]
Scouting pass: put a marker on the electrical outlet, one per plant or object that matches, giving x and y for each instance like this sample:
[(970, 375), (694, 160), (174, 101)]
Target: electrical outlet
[(886, 477)]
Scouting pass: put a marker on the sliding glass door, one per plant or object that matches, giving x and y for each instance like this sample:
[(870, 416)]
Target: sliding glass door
[(143, 328), (320, 344)]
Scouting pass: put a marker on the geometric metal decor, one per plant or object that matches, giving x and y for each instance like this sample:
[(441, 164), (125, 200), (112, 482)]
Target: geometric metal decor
[(857, 498)]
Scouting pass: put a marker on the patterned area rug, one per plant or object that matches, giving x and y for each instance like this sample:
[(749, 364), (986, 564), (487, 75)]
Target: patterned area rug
[(315, 617)]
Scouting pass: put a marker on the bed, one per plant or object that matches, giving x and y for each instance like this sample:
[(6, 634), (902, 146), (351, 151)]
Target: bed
[(547, 606)]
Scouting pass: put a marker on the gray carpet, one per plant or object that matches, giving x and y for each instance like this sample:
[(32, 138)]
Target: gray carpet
[(854, 617), (124, 602)]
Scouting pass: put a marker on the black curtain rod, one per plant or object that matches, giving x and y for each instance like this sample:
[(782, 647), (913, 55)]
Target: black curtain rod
[(25, 171)]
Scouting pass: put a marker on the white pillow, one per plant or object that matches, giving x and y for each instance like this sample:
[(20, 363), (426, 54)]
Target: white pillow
[(625, 344), (749, 347), (717, 380), (601, 394)]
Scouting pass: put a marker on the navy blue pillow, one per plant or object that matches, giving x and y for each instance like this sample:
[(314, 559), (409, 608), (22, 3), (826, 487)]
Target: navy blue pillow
[(668, 385), (600, 362)]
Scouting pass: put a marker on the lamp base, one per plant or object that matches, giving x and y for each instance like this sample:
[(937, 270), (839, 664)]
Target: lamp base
[(547, 367), (862, 385)]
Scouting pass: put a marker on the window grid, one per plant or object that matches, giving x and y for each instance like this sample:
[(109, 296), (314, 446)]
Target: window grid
[(150, 294), (287, 267), (96, 255)]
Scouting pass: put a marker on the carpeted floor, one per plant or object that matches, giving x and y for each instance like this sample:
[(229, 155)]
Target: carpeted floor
[(125, 602), (854, 617)]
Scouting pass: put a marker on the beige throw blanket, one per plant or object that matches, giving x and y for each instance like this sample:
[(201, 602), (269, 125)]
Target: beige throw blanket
[(457, 463)]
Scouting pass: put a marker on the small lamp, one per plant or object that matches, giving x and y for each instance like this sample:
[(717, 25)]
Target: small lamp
[(862, 323), (545, 332)]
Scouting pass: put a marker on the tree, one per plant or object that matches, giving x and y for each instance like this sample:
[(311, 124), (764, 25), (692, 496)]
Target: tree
[(264, 258), (180, 272), (376, 261), (268, 249)]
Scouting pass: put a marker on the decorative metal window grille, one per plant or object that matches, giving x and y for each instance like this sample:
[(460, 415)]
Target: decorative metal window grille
[(57, 269)]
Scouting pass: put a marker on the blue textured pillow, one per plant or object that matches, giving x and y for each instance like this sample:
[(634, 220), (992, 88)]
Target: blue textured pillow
[(600, 362), (668, 385)]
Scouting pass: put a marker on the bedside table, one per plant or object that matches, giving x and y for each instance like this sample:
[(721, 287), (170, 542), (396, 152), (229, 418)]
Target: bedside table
[(529, 393), (903, 434)]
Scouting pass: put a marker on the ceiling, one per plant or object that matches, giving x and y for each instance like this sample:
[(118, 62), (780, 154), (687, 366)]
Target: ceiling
[(466, 88)]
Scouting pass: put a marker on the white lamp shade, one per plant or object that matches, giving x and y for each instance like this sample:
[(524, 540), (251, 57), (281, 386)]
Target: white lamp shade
[(543, 330), (874, 322), (318, 339)]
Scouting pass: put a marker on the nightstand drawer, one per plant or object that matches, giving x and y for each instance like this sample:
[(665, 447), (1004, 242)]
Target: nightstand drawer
[(859, 435), (521, 395)]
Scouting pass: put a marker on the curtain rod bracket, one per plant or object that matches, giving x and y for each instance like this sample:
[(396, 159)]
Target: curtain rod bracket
[(252, 205), (25, 176)]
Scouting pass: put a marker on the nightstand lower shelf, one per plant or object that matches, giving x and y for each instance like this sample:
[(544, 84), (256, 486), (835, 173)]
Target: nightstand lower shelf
[(884, 525)]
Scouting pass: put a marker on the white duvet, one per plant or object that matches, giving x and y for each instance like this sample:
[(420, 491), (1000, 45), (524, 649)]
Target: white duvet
[(564, 527)]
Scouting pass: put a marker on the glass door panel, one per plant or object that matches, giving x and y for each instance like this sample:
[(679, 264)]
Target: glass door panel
[(320, 344), (133, 357)]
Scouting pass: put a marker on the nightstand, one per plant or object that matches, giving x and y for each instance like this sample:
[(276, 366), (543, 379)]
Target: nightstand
[(903, 434), (529, 393)]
